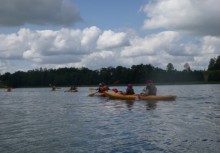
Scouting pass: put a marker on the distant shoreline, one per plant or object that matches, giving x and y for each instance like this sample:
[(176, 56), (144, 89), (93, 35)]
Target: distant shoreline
[(175, 83)]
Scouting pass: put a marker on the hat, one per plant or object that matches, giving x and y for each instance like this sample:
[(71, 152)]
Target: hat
[(149, 81), (129, 85)]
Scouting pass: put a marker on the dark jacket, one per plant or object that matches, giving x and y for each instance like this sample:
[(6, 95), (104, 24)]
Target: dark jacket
[(130, 91)]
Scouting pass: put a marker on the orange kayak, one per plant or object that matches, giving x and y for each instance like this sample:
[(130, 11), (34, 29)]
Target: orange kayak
[(120, 96), (158, 97), (139, 97), (100, 94), (71, 91)]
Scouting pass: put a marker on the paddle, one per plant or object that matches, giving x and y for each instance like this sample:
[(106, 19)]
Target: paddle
[(92, 94)]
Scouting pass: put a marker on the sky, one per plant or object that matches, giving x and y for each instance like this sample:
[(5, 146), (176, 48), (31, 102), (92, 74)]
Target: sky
[(108, 33)]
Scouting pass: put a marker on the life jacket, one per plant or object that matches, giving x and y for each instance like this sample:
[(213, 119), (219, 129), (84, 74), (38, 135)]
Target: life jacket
[(130, 91), (103, 88), (152, 89), (115, 90)]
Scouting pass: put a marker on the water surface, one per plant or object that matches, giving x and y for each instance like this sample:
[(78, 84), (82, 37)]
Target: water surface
[(39, 120)]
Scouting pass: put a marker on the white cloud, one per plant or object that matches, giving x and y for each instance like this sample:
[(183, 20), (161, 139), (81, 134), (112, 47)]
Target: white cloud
[(38, 12), (210, 45), (99, 59), (63, 43), (89, 37), (75, 47), (110, 39), (12, 45), (194, 16), (150, 45)]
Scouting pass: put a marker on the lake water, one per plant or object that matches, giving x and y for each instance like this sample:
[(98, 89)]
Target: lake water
[(38, 120)]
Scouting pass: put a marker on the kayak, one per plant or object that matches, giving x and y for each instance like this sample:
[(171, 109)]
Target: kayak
[(139, 97), (117, 95), (71, 91), (101, 94), (158, 97)]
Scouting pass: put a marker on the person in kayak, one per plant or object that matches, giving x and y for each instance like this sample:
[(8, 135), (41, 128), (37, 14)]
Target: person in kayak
[(53, 87), (102, 87), (150, 89), (129, 90), (72, 88), (8, 89)]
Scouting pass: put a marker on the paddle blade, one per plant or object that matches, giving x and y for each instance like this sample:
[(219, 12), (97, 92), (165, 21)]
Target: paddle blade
[(92, 89), (91, 95)]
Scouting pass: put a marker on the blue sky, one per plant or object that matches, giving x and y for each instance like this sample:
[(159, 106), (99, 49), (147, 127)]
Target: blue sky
[(103, 33), (114, 14)]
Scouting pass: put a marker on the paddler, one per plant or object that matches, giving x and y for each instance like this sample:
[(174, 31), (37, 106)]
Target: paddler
[(73, 88), (8, 89), (150, 89), (102, 87), (129, 90), (53, 87)]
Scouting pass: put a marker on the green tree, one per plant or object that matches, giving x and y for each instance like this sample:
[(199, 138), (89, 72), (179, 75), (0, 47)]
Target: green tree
[(217, 63), (170, 67), (211, 64), (187, 67)]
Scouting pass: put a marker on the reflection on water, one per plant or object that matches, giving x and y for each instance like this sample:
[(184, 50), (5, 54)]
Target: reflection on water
[(129, 104), (151, 105), (38, 120)]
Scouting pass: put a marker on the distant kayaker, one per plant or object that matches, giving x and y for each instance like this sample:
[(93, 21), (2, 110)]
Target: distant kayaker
[(53, 87), (8, 89), (73, 88), (150, 88), (129, 90)]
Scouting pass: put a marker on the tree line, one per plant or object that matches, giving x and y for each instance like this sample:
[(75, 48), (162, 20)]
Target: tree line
[(213, 72), (136, 74)]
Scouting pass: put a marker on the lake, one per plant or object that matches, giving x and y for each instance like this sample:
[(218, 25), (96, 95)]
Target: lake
[(39, 120)]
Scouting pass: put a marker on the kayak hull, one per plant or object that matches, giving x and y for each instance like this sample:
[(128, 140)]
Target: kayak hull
[(139, 97), (120, 96), (101, 94), (72, 91), (159, 97)]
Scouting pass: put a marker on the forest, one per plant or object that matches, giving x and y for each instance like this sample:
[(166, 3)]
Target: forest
[(136, 74)]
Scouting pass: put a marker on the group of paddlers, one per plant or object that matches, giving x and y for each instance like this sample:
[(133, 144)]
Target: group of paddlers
[(149, 89)]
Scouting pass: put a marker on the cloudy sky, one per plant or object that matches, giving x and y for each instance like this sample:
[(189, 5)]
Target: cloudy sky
[(103, 33)]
